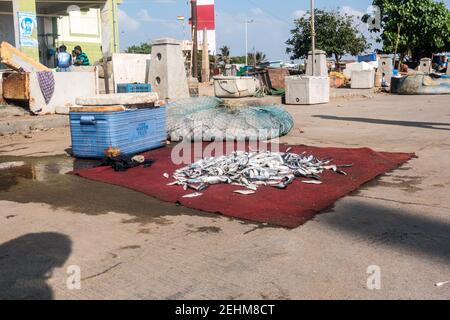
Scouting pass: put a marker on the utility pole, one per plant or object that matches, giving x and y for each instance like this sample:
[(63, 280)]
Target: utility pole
[(313, 38), (246, 40), (194, 38)]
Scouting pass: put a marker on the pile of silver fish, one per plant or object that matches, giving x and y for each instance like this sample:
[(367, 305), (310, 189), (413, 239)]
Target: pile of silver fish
[(251, 170)]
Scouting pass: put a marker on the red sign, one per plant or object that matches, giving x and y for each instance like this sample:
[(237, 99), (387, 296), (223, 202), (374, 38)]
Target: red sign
[(206, 17)]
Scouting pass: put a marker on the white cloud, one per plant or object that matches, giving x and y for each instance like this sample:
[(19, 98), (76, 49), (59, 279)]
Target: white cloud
[(127, 23), (298, 14), (257, 11), (143, 15), (352, 12)]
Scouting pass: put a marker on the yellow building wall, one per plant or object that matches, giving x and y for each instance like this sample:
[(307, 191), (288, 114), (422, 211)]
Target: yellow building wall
[(84, 29), (29, 7)]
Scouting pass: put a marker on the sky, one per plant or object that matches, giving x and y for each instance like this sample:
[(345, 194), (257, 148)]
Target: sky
[(144, 20)]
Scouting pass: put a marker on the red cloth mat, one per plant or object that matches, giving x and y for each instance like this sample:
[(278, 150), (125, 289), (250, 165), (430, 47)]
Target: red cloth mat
[(289, 208)]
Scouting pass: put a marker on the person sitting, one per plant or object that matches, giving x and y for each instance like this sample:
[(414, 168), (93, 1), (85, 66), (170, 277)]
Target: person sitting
[(64, 62), (442, 64), (82, 58), (74, 57)]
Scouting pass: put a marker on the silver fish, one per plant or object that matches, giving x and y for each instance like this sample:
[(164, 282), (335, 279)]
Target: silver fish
[(253, 169), (193, 195), (245, 192), (311, 181)]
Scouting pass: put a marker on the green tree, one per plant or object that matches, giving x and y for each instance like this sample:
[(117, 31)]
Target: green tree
[(420, 27), (256, 58), (238, 60), (143, 48), (335, 34), (224, 55)]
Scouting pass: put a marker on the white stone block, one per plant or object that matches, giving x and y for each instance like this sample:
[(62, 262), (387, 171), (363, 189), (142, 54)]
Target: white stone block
[(356, 66), (425, 65), (144, 98), (363, 79), (307, 90), (320, 64), (386, 68), (167, 70)]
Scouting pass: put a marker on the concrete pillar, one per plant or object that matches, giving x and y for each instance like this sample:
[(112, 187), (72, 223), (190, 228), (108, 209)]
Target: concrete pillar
[(320, 68), (385, 67), (167, 70), (425, 65), (105, 16), (28, 44), (205, 55)]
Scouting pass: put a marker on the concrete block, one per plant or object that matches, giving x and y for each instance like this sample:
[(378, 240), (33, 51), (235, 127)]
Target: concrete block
[(356, 66), (68, 86), (307, 90), (363, 79), (130, 68), (118, 99), (320, 64), (167, 70), (425, 65), (386, 68)]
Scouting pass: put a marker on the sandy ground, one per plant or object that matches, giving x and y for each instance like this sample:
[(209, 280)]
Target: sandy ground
[(128, 245)]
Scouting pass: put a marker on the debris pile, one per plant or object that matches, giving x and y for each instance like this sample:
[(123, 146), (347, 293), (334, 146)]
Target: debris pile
[(252, 170)]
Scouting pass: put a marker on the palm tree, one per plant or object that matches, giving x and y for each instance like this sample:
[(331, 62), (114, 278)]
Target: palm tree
[(224, 55), (256, 58)]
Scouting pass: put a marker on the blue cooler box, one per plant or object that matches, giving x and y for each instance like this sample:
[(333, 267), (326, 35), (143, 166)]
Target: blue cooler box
[(131, 131)]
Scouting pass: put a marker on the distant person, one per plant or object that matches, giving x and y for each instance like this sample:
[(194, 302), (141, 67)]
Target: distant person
[(74, 56), (64, 60), (442, 64), (82, 58)]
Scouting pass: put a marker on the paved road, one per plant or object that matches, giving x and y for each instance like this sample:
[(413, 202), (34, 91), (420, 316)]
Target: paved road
[(128, 245)]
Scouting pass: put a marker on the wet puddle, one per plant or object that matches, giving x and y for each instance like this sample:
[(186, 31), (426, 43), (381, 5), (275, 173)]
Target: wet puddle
[(48, 180)]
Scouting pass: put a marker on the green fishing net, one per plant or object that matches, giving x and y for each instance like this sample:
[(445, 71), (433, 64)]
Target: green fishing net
[(207, 119)]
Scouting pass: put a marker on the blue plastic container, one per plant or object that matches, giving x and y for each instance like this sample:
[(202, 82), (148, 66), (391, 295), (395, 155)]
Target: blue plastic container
[(367, 57), (134, 88), (131, 131)]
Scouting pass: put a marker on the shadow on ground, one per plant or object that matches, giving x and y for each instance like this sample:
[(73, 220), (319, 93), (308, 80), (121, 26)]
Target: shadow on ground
[(415, 124), (382, 226), (28, 261)]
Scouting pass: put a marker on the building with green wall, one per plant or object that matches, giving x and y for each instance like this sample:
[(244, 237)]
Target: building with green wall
[(85, 23)]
